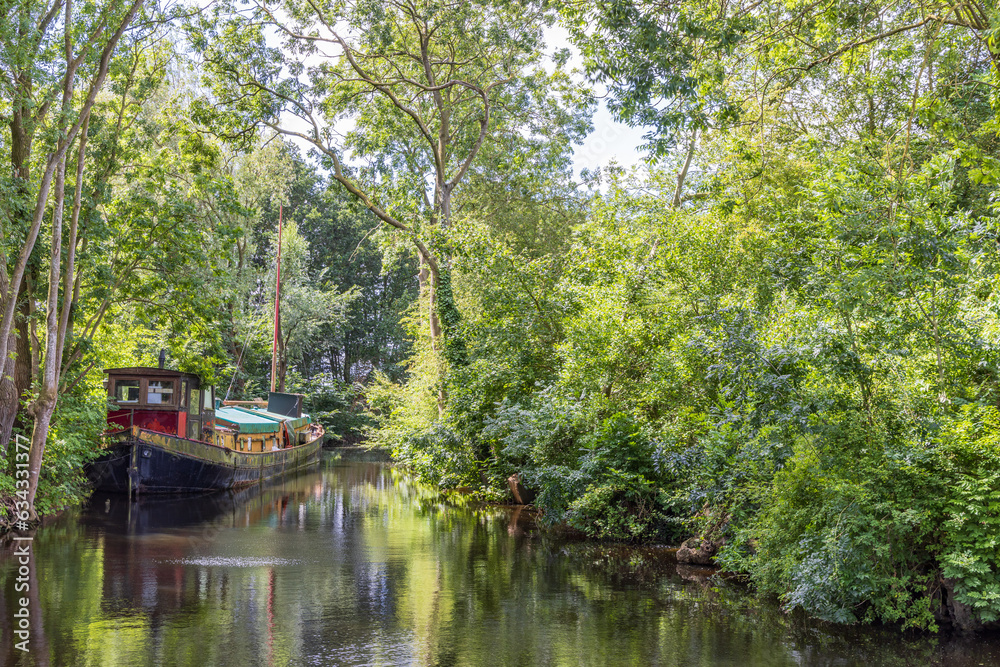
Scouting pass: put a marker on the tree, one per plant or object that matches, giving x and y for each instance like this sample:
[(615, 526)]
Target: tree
[(44, 111), (663, 62), (45, 105), (308, 302), (141, 247), (426, 86), (344, 243)]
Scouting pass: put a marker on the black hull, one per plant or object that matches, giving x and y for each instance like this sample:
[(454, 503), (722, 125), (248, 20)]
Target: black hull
[(141, 461)]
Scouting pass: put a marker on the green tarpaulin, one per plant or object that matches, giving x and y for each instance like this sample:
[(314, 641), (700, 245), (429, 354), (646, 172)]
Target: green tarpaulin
[(256, 421)]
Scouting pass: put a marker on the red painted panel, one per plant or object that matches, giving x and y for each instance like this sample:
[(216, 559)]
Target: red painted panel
[(118, 419), (155, 420), (182, 422)]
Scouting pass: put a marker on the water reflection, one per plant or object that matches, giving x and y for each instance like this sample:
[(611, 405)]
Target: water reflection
[(353, 564)]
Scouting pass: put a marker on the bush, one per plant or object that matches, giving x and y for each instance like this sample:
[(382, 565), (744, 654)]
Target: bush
[(340, 407), (408, 426), (74, 436), (970, 559), (623, 507), (604, 483), (848, 532)]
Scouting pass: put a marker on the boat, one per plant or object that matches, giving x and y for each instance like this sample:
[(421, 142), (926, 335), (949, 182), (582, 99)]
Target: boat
[(168, 435)]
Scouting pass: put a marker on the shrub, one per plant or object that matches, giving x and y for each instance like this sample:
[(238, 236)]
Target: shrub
[(339, 407), (970, 559), (848, 531)]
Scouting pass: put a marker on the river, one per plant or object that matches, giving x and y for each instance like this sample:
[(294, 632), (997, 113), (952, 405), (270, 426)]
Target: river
[(352, 563)]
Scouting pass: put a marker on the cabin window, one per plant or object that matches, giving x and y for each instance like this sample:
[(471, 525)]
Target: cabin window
[(184, 386), (194, 403), (127, 391), (160, 392)]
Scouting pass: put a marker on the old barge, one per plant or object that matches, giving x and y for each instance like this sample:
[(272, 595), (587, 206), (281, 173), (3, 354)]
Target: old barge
[(168, 435)]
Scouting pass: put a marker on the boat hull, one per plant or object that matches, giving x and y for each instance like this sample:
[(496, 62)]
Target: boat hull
[(143, 461)]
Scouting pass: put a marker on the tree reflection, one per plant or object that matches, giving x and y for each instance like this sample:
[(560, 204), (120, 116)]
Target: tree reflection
[(355, 564)]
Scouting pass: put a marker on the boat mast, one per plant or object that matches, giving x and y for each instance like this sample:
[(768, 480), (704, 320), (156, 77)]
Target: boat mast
[(277, 313)]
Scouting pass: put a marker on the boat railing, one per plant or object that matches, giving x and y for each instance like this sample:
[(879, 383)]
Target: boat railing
[(258, 403)]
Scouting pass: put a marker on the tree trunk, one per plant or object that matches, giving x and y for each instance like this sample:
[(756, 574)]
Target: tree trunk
[(16, 373), (9, 399), (347, 363), (45, 404), (435, 320), (682, 174), (428, 281), (42, 409), (16, 380)]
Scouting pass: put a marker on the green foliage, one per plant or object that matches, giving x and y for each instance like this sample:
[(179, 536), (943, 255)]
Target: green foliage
[(782, 340), (663, 65), (409, 426), (344, 249), (454, 345), (623, 508), (847, 531), (773, 387), (861, 529), (76, 427), (625, 498), (970, 557), (338, 406)]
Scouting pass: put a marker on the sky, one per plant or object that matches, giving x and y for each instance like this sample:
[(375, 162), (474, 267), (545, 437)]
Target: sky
[(610, 141)]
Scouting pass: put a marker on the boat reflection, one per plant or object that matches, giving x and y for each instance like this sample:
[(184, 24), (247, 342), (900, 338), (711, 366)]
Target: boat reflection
[(159, 551), (148, 514)]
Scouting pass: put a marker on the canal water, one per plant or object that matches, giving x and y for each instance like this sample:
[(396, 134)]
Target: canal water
[(353, 564)]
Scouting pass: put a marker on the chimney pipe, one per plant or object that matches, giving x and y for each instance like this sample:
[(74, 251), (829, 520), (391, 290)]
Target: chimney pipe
[(163, 358)]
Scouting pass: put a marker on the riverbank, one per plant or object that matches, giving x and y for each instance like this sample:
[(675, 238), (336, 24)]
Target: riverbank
[(359, 453), (9, 515)]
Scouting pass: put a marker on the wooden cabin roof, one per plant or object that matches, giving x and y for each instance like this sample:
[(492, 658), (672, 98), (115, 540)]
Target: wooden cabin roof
[(150, 371)]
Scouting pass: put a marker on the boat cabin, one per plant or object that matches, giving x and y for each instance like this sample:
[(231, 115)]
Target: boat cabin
[(279, 425), (161, 400)]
